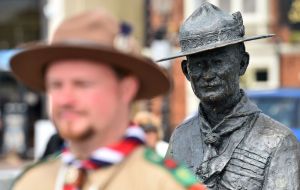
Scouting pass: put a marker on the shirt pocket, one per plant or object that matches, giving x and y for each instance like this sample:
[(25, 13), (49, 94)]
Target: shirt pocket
[(245, 170)]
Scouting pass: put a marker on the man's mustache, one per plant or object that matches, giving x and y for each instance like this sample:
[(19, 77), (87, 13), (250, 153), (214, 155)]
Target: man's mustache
[(68, 109)]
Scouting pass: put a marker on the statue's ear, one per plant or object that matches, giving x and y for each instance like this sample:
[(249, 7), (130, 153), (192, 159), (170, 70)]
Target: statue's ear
[(244, 63), (184, 69)]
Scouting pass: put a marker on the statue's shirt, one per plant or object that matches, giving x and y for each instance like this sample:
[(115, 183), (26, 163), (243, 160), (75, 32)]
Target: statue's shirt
[(246, 150)]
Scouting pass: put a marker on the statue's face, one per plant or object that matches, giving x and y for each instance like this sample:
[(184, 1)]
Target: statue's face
[(214, 74)]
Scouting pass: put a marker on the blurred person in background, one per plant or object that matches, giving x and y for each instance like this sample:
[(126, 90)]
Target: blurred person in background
[(151, 124), (91, 82)]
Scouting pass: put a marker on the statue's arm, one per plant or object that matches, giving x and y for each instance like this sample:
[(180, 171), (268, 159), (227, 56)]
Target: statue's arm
[(284, 167)]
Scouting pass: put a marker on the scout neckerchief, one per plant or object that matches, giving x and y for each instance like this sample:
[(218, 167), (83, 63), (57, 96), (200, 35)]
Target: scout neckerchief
[(242, 115), (104, 156)]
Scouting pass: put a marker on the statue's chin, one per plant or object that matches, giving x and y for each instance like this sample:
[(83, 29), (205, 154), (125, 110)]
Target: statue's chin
[(211, 98)]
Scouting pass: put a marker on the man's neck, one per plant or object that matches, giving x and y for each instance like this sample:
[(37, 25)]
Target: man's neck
[(82, 149), (216, 111)]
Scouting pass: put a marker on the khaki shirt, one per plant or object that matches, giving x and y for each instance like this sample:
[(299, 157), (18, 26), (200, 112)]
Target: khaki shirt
[(143, 169)]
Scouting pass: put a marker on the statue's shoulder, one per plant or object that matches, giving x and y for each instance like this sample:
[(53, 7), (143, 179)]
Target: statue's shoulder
[(188, 122), (270, 125), (266, 130)]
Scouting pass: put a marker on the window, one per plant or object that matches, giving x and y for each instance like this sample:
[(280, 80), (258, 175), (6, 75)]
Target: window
[(261, 75), (20, 22)]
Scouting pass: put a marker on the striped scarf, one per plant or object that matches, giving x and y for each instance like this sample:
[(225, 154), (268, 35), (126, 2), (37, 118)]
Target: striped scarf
[(104, 156)]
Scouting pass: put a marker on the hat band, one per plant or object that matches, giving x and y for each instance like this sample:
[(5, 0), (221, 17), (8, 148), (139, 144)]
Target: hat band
[(85, 42), (201, 40)]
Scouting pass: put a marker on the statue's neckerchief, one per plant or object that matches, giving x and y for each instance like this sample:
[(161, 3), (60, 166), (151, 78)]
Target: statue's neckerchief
[(240, 117), (102, 157)]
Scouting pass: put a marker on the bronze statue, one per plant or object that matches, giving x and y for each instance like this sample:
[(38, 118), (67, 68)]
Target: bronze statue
[(230, 144)]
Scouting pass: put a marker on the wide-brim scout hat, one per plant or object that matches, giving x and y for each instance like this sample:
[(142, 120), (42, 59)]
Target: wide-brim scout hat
[(209, 28), (91, 35)]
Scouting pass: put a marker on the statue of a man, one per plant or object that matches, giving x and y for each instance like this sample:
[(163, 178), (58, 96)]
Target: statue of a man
[(230, 144)]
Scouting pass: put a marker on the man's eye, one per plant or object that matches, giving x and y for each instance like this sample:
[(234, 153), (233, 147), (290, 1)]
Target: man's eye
[(202, 64), (218, 61), (54, 85), (84, 84)]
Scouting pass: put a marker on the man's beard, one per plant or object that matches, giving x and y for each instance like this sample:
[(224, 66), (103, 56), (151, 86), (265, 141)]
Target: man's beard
[(66, 132), (213, 97)]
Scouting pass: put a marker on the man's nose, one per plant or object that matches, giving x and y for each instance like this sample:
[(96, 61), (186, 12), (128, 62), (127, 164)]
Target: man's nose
[(203, 70), (66, 96), (208, 75)]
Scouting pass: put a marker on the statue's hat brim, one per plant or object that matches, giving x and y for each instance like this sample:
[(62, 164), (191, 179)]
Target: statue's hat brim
[(214, 46)]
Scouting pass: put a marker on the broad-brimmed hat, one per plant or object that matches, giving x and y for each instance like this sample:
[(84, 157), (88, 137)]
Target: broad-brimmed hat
[(208, 28), (91, 35)]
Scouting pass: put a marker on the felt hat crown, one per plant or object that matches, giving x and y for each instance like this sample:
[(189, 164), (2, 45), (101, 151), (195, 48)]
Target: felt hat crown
[(91, 35)]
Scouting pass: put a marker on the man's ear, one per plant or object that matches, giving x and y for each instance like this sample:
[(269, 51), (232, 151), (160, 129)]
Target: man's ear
[(184, 69), (130, 87), (244, 63)]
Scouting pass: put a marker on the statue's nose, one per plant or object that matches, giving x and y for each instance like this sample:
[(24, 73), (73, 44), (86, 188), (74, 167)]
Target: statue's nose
[(208, 76)]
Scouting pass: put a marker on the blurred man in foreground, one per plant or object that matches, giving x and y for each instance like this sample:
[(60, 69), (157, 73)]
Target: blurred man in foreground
[(90, 85)]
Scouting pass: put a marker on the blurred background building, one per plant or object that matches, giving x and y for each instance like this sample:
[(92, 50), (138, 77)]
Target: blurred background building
[(274, 62)]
